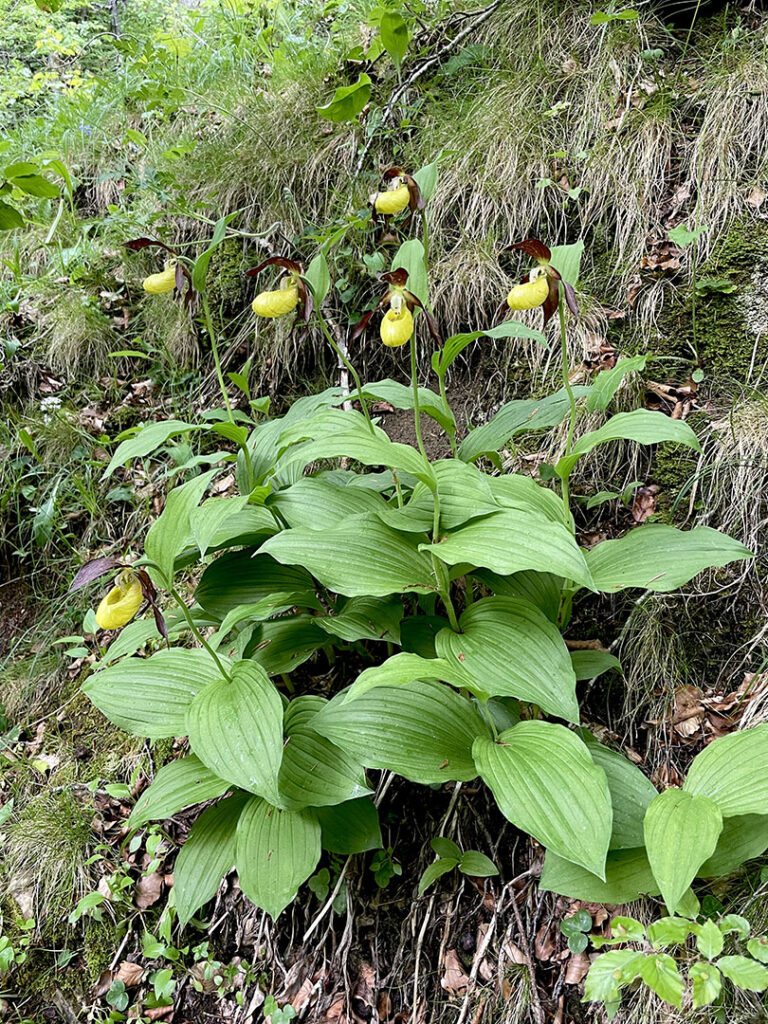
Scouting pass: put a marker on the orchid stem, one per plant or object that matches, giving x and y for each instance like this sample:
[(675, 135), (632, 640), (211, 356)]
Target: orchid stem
[(215, 350), (198, 635), (571, 403), (337, 349)]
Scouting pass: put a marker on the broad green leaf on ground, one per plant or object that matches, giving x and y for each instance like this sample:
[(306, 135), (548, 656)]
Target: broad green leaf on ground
[(366, 618), (246, 577), (281, 645), (589, 663), (659, 972), (743, 837), (321, 505), (607, 382), (681, 832), (177, 785), (423, 731), (150, 696), (275, 851), (167, 536), (359, 557), (146, 441), (627, 876), (206, 856), (660, 557), (707, 983), (546, 783), (541, 589), (236, 728), (733, 771), (744, 972), (511, 649), (631, 793), (641, 425), (352, 827), (404, 668), (348, 101), (317, 773), (508, 542), (516, 417)]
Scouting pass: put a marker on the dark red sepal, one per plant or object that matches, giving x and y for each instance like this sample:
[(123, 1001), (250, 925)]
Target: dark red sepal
[(274, 261), (534, 248), (93, 570)]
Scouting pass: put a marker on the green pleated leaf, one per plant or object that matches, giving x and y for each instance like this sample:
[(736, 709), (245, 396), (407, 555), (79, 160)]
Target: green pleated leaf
[(281, 645), (211, 517), (404, 668), (207, 855), (541, 589), (514, 418), (177, 785), (423, 731), (167, 536), (627, 876), (513, 490), (317, 773), (366, 618), (588, 664), (320, 505), (743, 837), (463, 491), (744, 972), (546, 783), (400, 396), (641, 425), (511, 649), (150, 696), (659, 557), (681, 832), (607, 382), (246, 577), (631, 793), (733, 771), (508, 542), (275, 851), (359, 557), (352, 827), (236, 728), (145, 441)]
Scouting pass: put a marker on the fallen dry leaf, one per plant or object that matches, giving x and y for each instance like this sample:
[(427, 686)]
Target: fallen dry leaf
[(577, 968), (129, 973), (148, 890), (454, 979), (644, 504)]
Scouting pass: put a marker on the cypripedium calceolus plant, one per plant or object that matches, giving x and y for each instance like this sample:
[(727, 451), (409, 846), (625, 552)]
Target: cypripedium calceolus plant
[(540, 287), (402, 192), (457, 580), (397, 323), (291, 294), (131, 588)]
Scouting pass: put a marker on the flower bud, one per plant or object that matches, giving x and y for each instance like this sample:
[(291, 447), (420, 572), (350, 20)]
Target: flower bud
[(157, 284), (396, 328), (121, 603), (392, 201), (277, 303), (529, 295)]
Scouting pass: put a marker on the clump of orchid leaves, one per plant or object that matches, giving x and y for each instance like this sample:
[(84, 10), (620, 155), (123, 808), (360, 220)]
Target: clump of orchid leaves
[(358, 608)]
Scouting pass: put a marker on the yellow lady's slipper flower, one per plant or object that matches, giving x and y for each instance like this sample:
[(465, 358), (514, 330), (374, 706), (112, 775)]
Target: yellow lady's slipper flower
[(396, 328), (121, 603), (529, 295), (277, 303), (393, 200), (157, 284)]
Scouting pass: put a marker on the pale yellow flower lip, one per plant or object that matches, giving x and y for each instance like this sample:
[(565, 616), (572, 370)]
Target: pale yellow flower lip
[(119, 606)]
